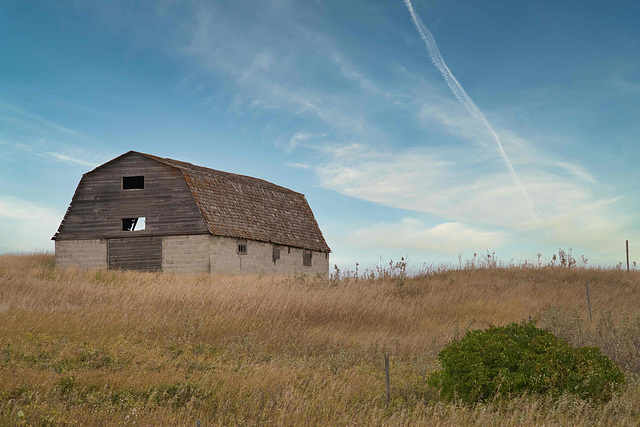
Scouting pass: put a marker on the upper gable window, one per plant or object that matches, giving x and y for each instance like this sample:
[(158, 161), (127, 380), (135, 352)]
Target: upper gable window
[(134, 224), (133, 182)]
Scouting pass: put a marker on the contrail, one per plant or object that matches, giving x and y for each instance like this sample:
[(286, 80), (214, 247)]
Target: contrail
[(462, 96)]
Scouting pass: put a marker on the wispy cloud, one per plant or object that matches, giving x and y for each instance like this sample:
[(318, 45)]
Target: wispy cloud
[(449, 238), (35, 120), (625, 78), (458, 186), (464, 99), (298, 139), (25, 225), (46, 140), (577, 171), (299, 165), (68, 159), (269, 70), (41, 148)]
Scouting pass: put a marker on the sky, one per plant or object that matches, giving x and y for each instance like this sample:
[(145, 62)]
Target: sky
[(431, 130)]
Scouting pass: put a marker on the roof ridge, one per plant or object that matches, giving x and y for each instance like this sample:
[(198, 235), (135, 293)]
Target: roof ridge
[(186, 166)]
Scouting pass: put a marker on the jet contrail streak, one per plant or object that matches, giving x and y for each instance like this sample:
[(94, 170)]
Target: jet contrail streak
[(462, 96)]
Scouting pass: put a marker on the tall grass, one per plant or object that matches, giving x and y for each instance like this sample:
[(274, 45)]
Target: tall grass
[(107, 347)]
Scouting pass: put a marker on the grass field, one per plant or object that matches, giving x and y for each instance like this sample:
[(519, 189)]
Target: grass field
[(114, 348)]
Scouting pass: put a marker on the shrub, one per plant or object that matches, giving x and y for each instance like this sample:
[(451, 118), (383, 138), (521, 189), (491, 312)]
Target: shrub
[(521, 358)]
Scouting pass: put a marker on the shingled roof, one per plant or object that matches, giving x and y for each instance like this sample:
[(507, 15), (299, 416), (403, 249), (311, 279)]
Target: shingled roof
[(250, 208)]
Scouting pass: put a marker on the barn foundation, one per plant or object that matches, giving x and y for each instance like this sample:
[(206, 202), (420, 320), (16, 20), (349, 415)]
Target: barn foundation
[(83, 254)]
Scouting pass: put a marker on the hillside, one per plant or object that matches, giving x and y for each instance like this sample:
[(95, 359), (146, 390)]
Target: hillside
[(107, 348)]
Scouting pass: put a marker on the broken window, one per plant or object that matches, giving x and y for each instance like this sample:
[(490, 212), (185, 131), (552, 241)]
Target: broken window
[(275, 254), (132, 182), (306, 258), (242, 247), (133, 224)]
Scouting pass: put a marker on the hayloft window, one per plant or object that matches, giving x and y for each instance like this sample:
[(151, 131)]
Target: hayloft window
[(133, 182), (133, 224), (306, 258), (275, 253), (242, 247)]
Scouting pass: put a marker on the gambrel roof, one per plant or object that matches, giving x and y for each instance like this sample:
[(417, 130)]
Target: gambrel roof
[(250, 208)]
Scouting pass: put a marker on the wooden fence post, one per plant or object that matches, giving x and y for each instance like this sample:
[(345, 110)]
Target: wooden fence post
[(627, 256), (588, 301)]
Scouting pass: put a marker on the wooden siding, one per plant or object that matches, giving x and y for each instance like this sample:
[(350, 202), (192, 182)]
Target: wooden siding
[(100, 204), (136, 253)]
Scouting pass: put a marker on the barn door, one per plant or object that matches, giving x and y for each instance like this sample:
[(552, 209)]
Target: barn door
[(136, 253)]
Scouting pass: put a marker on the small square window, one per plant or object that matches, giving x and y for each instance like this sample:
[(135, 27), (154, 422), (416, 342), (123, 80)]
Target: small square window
[(133, 224), (133, 182), (242, 247)]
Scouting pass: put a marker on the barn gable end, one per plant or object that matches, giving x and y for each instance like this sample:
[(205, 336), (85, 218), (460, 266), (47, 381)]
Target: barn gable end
[(100, 203)]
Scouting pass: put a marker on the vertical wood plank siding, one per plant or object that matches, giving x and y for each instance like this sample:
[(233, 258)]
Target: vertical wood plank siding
[(99, 203), (136, 253)]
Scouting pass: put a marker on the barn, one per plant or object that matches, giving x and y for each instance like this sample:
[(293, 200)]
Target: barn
[(143, 212)]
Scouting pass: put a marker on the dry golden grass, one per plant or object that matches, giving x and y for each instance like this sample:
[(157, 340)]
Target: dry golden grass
[(111, 348)]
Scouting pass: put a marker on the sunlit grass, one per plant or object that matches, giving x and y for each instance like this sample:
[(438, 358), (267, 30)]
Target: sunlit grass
[(106, 348)]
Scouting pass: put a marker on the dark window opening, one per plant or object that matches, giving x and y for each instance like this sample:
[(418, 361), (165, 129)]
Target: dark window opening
[(132, 182), (133, 224), (275, 253), (288, 249), (242, 247), (306, 258)]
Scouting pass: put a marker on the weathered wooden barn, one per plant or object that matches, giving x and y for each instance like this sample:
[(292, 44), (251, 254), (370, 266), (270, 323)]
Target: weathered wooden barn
[(143, 212)]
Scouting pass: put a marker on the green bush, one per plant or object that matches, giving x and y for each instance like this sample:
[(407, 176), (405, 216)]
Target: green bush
[(511, 360)]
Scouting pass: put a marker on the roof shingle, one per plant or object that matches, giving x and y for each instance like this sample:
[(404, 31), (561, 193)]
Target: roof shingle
[(251, 208)]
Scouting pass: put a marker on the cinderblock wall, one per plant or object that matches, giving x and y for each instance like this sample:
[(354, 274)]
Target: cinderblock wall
[(186, 254), (81, 253), (259, 258), (200, 253)]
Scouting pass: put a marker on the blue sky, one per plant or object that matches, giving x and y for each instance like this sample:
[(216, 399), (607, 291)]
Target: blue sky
[(342, 101)]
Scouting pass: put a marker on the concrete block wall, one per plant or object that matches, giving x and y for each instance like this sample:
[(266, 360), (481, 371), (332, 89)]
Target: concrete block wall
[(83, 254), (200, 253), (259, 258), (186, 254)]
